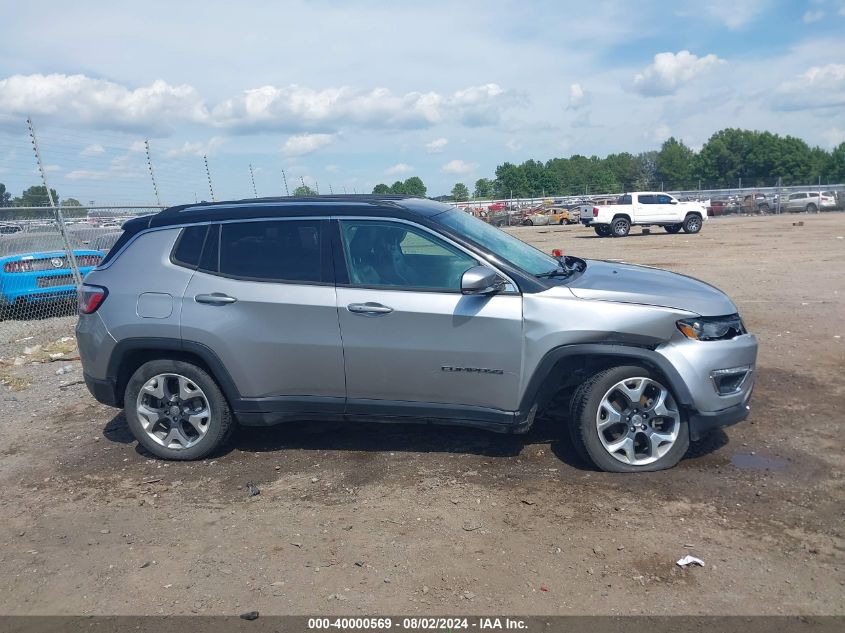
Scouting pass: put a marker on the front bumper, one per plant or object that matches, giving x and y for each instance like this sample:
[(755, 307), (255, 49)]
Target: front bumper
[(701, 423)]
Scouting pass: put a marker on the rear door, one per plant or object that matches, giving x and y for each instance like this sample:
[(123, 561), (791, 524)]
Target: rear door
[(411, 340), (264, 301), (646, 209)]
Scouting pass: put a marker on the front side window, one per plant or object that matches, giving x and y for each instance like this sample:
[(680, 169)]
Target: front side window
[(396, 255), (277, 250), (663, 199)]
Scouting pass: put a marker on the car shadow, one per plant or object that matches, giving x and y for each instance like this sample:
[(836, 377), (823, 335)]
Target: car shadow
[(652, 234), (402, 437)]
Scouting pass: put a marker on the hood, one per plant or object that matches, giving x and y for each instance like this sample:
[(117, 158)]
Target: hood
[(627, 283)]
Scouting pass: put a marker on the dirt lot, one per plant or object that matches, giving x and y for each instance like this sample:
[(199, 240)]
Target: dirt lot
[(404, 519)]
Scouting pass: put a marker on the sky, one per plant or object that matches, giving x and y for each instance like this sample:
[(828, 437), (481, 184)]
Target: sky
[(343, 95)]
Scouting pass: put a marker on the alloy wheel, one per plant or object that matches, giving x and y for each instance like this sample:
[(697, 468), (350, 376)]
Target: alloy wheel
[(638, 421), (174, 412)]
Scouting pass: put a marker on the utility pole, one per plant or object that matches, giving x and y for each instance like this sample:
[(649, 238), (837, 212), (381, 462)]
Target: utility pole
[(252, 177), (208, 175), (152, 173), (285, 178), (57, 211)]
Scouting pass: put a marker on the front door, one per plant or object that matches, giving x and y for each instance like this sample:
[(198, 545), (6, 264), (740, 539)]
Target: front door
[(410, 338), (264, 301)]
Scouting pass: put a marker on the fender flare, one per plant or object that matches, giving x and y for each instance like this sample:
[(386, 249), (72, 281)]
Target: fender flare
[(642, 355), (215, 365)]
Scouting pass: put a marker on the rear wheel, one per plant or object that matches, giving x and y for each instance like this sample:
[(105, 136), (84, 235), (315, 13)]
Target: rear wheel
[(692, 223), (624, 419), (620, 227), (176, 410), (527, 223), (561, 221), (602, 230), (673, 228)]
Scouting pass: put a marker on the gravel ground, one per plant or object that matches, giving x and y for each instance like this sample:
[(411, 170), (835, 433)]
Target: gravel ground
[(372, 519)]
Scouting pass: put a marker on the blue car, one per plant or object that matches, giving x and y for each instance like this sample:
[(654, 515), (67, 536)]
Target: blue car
[(29, 274)]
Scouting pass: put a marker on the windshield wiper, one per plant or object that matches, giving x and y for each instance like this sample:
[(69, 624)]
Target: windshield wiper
[(557, 272)]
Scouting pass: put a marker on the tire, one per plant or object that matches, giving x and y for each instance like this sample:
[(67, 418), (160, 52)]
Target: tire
[(561, 221), (602, 230), (811, 208), (657, 444), (763, 208), (692, 223), (673, 228), (620, 227), (189, 440), (527, 223)]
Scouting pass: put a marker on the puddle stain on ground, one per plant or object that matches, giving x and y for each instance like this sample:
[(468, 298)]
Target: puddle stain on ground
[(747, 461)]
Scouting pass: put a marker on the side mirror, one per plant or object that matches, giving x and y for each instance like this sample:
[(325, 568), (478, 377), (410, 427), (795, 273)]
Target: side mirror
[(480, 280), (673, 202)]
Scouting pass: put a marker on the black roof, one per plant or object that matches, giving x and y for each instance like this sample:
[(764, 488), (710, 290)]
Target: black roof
[(251, 208)]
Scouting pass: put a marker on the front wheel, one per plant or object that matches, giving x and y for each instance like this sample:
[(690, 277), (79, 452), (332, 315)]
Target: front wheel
[(620, 227), (692, 224), (673, 228), (811, 208), (624, 419), (527, 223), (602, 230), (176, 410)]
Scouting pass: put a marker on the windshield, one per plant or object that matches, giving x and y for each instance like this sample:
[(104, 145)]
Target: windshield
[(500, 243)]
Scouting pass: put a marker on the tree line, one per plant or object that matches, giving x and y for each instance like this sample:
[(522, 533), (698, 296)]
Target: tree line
[(731, 158)]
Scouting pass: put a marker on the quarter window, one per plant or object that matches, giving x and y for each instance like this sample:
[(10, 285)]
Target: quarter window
[(390, 254), (189, 246), (278, 250)]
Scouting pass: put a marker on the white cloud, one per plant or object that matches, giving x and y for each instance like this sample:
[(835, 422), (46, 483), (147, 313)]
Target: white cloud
[(834, 136), (513, 145), (670, 71), (398, 168), (99, 102), (813, 16), (459, 167), (842, 11), (577, 96), (331, 168), (732, 13), (86, 174), (437, 145), (92, 150), (661, 132), (303, 144), (817, 87), (197, 148), (299, 107), (138, 146)]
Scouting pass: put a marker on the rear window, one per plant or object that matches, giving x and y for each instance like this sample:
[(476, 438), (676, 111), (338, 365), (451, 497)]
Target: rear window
[(188, 246), (278, 250)]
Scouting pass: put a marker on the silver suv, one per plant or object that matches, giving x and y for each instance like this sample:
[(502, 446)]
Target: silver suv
[(386, 308)]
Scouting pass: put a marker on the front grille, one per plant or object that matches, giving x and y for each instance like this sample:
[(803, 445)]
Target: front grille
[(57, 280)]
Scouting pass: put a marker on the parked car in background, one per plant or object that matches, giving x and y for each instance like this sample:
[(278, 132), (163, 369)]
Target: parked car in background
[(644, 208), (8, 228), (30, 274), (809, 201), (538, 216), (759, 203), (104, 242), (387, 309), (722, 206)]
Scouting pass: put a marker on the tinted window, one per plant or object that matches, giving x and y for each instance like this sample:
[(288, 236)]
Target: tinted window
[(394, 254), (626, 199), (279, 250), (647, 199), (189, 246), (664, 200)]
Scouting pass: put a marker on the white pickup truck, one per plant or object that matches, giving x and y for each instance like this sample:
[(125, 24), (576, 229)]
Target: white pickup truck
[(644, 208)]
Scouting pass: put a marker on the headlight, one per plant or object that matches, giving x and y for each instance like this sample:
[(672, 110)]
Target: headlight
[(712, 328)]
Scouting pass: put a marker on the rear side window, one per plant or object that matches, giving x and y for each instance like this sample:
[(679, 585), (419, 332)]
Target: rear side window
[(278, 250), (626, 199), (647, 199), (188, 246)]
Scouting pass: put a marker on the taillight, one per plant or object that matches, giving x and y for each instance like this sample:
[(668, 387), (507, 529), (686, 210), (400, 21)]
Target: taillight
[(24, 266), (556, 252), (595, 212), (91, 298)]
